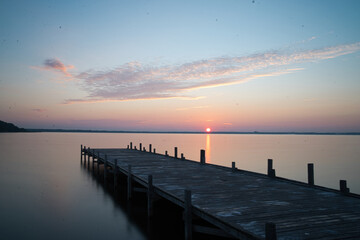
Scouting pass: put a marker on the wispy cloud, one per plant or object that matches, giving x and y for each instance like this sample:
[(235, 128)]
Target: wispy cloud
[(135, 81), (40, 110), (54, 64)]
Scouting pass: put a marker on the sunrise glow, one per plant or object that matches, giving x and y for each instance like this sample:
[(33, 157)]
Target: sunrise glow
[(208, 130)]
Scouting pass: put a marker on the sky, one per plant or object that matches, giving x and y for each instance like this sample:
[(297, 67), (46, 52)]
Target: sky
[(181, 65)]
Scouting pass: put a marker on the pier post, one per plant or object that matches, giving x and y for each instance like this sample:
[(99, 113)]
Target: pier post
[(130, 145), (166, 153), (271, 171), (182, 156), (311, 174), (343, 187), (129, 187), (105, 168), (98, 164), (150, 193), (175, 152), (202, 156), (93, 160), (270, 231), (81, 153), (150, 148), (127, 146), (135, 147), (233, 168), (88, 157), (84, 155), (154, 150), (144, 149), (140, 147), (115, 174), (187, 215)]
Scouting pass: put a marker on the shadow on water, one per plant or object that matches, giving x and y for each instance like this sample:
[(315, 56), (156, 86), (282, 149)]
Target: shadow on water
[(166, 223)]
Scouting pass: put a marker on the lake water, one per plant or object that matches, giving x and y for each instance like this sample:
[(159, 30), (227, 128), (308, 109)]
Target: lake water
[(45, 193)]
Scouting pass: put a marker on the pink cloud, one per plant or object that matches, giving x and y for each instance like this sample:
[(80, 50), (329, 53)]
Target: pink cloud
[(54, 64)]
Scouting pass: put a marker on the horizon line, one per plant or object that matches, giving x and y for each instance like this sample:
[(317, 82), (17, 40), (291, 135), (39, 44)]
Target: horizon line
[(196, 132)]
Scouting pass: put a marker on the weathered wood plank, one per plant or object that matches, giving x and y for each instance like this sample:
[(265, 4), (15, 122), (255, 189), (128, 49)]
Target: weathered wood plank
[(241, 202)]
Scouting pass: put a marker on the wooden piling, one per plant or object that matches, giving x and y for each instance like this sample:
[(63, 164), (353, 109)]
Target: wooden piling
[(84, 153), (182, 156), (202, 156), (166, 153), (93, 159), (187, 215), (311, 174), (175, 152), (343, 187), (129, 187), (271, 171), (154, 150), (270, 231), (130, 145), (88, 157), (81, 153), (105, 168), (98, 165), (115, 170), (150, 148), (150, 193), (233, 168), (140, 146)]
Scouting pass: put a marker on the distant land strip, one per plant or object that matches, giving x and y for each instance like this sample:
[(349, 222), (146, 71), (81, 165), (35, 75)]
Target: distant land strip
[(193, 132), (10, 127)]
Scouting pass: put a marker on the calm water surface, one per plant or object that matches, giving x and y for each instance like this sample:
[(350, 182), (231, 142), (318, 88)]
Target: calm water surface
[(45, 192)]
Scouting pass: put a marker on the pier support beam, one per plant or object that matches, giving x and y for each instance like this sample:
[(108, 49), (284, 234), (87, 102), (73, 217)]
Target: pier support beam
[(271, 171), (233, 168), (175, 152), (187, 215), (130, 145), (115, 170), (88, 157), (343, 187), (150, 195), (202, 156), (154, 150), (311, 174), (270, 231), (182, 156), (129, 183), (140, 147), (93, 160), (84, 153), (105, 168), (98, 164), (150, 148), (81, 154)]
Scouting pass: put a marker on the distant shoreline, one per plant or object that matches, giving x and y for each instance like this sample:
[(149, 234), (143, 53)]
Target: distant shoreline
[(192, 132)]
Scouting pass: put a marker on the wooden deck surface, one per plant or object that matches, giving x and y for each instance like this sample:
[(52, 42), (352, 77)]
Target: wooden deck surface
[(241, 202)]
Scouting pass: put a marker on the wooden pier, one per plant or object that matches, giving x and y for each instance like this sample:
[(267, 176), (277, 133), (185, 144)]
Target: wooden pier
[(238, 204)]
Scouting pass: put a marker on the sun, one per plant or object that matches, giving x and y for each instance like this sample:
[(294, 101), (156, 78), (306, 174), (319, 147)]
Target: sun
[(208, 130)]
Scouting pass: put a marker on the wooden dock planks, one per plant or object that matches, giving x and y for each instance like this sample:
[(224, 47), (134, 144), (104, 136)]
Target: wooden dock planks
[(241, 202)]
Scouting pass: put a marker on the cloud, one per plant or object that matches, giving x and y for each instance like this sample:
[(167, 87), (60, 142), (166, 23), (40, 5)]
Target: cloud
[(135, 81), (54, 64), (40, 110)]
